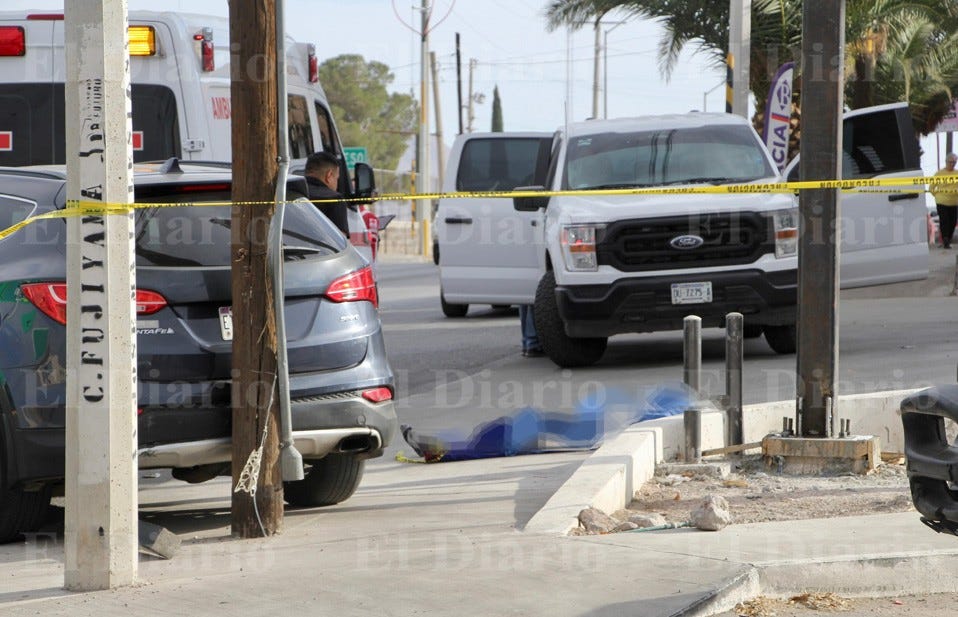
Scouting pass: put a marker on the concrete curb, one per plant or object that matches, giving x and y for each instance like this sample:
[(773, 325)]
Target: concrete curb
[(609, 477)]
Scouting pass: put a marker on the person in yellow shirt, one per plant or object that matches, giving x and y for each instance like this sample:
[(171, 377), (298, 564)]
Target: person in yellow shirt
[(946, 198)]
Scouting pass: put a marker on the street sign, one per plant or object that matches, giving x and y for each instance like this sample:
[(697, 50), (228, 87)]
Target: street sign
[(355, 155)]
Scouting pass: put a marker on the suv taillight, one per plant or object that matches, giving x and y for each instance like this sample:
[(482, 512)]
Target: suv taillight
[(13, 41), (51, 299), (377, 395), (354, 287)]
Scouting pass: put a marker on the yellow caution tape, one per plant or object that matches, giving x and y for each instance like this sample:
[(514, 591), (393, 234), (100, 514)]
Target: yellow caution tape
[(76, 208)]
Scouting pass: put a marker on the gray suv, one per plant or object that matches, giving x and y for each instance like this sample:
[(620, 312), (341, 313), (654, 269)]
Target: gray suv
[(341, 385)]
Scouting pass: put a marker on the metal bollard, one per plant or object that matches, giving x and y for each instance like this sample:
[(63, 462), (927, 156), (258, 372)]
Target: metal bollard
[(734, 358), (693, 435), (692, 367)]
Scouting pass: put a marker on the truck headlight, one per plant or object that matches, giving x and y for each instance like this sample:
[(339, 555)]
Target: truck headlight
[(578, 247), (786, 232)]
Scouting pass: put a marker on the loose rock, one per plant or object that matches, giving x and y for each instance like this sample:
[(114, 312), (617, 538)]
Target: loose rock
[(712, 514), (643, 519), (596, 521)]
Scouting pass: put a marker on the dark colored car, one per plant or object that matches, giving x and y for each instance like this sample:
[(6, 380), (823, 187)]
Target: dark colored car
[(341, 385)]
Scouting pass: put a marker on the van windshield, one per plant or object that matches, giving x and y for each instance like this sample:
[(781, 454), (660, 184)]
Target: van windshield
[(706, 154), (33, 131)]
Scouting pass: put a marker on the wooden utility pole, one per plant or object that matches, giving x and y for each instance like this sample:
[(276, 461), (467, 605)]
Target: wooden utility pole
[(441, 163), (255, 167), (823, 43)]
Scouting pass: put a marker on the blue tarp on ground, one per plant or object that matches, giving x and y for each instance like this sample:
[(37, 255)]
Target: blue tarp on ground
[(533, 431)]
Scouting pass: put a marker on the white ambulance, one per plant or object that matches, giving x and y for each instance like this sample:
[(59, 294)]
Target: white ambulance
[(180, 74)]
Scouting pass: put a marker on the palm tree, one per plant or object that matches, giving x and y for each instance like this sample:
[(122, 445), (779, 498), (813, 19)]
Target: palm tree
[(883, 37)]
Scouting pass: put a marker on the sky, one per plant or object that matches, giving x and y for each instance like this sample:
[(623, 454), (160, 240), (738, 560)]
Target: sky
[(512, 50)]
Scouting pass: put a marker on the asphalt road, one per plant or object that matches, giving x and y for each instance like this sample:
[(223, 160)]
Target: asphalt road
[(891, 337)]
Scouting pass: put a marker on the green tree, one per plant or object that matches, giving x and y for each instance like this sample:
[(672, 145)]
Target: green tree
[(366, 113), (496, 111)]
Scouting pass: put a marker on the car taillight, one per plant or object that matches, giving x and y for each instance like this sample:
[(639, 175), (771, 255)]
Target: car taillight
[(51, 298), (13, 41), (378, 395), (354, 287), (313, 64), (206, 49)]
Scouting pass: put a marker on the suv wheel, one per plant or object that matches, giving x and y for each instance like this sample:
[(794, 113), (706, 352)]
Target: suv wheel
[(329, 481), (561, 349), (22, 511), (452, 310), (781, 338)]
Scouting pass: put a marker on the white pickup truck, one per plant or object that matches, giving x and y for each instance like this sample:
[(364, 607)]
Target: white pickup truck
[(599, 265)]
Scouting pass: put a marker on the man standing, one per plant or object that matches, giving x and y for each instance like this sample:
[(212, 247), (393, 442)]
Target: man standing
[(946, 198), (322, 175)]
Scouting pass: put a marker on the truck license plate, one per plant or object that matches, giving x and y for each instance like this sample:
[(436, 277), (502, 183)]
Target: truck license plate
[(226, 322), (691, 293)]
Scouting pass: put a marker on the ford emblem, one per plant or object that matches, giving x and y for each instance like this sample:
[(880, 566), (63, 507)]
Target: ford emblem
[(686, 243)]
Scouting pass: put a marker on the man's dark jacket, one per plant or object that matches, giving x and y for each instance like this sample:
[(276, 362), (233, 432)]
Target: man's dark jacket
[(334, 211)]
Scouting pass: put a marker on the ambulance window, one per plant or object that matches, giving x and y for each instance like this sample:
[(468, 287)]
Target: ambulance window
[(326, 129), (300, 130), (156, 133), (31, 124)]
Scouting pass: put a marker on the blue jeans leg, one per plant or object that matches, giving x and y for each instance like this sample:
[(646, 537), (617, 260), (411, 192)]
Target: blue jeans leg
[(530, 340)]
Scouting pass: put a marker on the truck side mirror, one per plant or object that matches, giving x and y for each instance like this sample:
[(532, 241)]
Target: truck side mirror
[(530, 204), (365, 181)]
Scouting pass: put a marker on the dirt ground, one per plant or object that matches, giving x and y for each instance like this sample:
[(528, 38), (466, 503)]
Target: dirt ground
[(758, 494), (806, 605)]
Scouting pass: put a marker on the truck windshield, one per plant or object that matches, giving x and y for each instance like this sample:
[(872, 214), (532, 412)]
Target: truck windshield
[(705, 154), (33, 132)]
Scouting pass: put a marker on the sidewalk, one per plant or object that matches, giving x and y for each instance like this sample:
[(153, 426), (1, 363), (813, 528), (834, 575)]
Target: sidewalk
[(451, 539)]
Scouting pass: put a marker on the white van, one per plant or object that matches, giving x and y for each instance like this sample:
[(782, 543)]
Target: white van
[(180, 89), (884, 231)]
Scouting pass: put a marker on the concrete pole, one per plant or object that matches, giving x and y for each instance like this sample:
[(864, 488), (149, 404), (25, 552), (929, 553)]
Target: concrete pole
[(471, 115), (441, 164), (823, 44), (596, 66), (740, 37), (734, 358), (100, 537), (425, 177)]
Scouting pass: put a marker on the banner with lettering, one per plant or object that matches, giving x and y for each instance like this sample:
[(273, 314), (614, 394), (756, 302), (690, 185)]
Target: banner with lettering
[(778, 114)]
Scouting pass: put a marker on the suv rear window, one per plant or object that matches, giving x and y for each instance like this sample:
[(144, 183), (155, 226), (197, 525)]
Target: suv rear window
[(32, 128), (191, 236), (720, 154), (503, 164)]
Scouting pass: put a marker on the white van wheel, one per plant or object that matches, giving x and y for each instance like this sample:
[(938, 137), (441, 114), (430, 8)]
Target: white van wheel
[(452, 310), (562, 349)]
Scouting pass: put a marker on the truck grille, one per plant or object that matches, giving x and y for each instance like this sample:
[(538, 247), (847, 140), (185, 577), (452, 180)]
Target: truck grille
[(646, 244)]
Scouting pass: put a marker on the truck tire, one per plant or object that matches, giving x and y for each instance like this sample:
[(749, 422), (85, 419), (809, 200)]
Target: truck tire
[(562, 349), (452, 310), (781, 338), (22, 511), (330, 480), (752, 330)]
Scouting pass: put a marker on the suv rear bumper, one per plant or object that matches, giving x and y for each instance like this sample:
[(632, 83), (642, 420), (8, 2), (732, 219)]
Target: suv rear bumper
[(644, 304), (334, 423)]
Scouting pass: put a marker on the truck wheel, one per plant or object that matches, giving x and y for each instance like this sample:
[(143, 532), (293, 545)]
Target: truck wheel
[(751, 330), (22, 511), (562, 349), (329, 481), (781, 338), (452, 310)]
